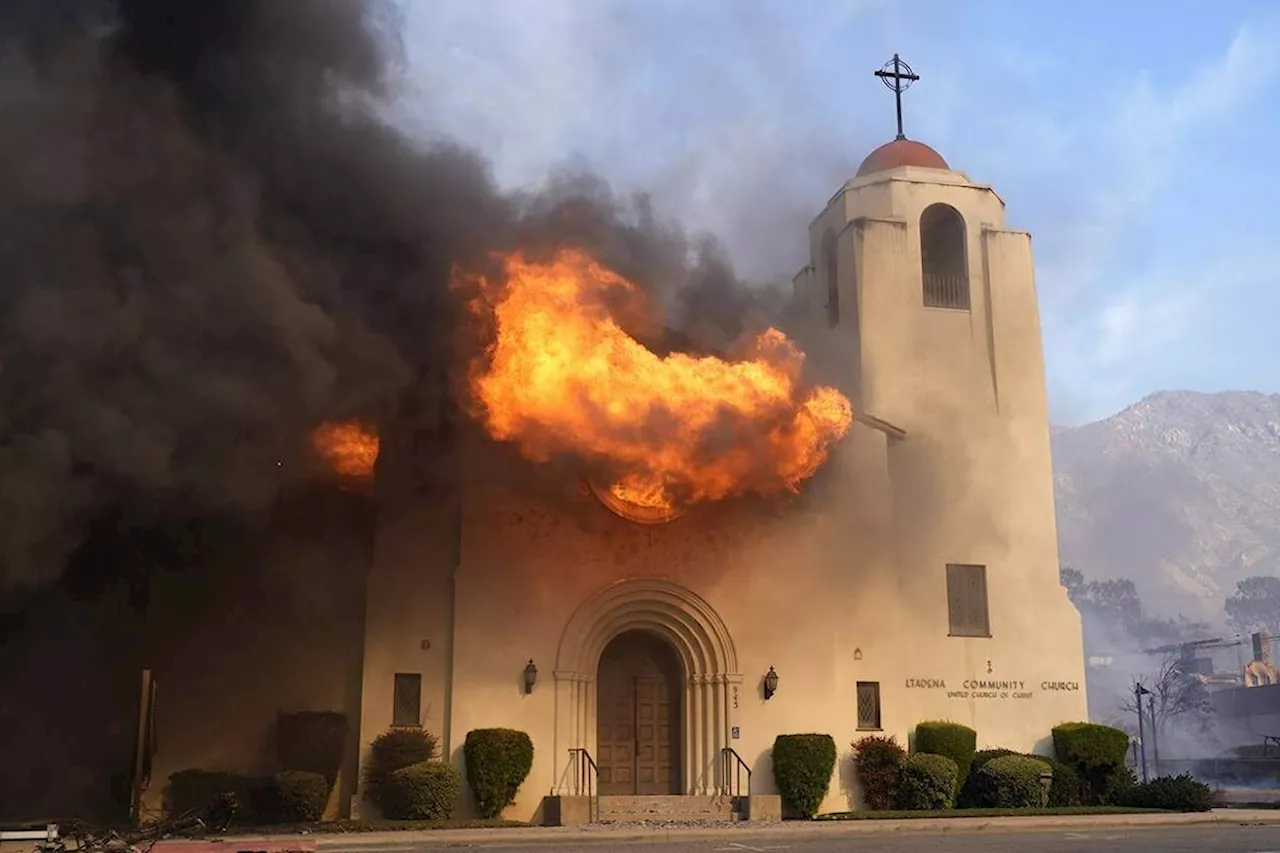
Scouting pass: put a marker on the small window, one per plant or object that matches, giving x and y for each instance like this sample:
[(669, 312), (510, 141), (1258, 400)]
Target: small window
[(831, 272), (967, 600), (944, 263), (407, 704), (869, 706)]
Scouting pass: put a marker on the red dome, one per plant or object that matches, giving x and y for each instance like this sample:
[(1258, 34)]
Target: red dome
[(901, 152)]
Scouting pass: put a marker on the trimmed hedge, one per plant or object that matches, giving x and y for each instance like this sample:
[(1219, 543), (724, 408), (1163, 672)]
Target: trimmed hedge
[(497, 761), (1119, 787), (300, 796), (955, 741), (1174, 793), (395, 750), (428, 790), (1010, 782), (1065, 790), (927, 782), (222, 798), (1095, 752), (311, 741), (878, 763), (802, 768), (967, 798)]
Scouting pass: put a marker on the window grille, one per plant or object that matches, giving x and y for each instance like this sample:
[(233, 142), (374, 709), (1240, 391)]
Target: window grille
[(967, 601), (869, 705), (407, 702)]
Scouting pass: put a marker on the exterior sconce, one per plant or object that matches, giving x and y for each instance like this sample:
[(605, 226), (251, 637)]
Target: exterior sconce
[(770, 684), (857, 654), (530, 677)]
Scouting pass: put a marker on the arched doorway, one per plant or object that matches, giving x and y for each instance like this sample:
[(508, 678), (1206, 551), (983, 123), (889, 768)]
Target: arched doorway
[(638, 689), (709, 681)]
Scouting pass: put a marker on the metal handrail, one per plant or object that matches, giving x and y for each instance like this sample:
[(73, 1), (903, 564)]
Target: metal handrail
[(586, 778), (732, 766)]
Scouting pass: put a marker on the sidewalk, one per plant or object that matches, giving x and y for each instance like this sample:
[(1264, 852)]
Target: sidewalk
[(367, 842)]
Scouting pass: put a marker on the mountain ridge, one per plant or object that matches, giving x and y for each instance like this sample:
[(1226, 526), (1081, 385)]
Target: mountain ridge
[(1177, 492)]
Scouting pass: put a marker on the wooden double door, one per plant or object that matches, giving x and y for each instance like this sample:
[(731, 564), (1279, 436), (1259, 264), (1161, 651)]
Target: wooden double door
[(638, 690)]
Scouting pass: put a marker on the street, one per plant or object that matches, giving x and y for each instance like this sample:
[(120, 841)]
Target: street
[(1200, 839)]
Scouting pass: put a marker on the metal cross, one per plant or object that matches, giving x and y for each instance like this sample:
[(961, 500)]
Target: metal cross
[(895, 80)]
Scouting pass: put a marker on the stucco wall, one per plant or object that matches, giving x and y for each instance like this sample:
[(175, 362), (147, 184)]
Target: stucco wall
[(275, 627), (268, 620), (797, 589), (69, 671)]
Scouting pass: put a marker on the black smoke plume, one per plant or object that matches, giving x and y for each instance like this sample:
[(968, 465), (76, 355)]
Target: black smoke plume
[(212, 239)]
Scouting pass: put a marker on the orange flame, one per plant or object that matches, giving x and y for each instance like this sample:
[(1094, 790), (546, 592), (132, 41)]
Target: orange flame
[(350, 448), (562, 376)]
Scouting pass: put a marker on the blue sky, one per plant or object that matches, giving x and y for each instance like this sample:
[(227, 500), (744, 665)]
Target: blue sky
[(1138, 141)]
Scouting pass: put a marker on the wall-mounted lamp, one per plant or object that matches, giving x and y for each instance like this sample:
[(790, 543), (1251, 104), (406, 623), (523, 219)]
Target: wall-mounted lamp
[(530, 677), (857, 654), (770, 684)]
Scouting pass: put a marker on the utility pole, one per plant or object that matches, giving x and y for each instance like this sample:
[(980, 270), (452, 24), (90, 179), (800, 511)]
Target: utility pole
[(1155, 735), (1138, 692)]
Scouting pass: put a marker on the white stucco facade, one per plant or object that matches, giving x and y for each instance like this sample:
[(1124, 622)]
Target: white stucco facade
[(948, 465)]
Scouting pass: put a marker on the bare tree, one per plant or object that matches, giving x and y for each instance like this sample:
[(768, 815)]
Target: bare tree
[(1179, 698)]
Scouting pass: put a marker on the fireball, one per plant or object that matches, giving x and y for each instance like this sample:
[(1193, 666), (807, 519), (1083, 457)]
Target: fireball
[(350, 448), (562, 376)]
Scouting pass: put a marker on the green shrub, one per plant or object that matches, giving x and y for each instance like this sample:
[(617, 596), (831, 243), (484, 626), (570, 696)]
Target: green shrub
[(802, 768), (223, 798), (927, 782), (1173, 793), (396, 750), (1010, 782), (967, 798), (982, 756), (428, 790), (498, 761), (1065, 790), (1119, 786), (312, 741), (878, 761), (301, 796), (955, 741), (1095, 752)]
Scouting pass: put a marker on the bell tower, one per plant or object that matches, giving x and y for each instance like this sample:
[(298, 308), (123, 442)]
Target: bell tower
[(920, 303)]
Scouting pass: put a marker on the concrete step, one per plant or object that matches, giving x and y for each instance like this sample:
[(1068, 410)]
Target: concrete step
[(674, 807)]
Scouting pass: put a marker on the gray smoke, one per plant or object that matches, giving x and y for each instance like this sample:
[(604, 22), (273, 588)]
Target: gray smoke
[(210, 242)]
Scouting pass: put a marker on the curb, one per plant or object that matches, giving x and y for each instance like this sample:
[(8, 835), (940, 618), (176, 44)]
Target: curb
[(537, 836)]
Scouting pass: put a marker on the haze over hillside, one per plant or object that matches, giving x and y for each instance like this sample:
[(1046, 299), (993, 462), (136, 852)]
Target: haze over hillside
[(1180, 493)]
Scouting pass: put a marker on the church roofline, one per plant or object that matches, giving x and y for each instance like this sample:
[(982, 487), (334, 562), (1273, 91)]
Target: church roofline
[(883, 426), (994, 229), (909, 175)]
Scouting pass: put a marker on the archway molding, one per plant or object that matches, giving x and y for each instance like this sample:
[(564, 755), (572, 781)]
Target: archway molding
[(708, 659)]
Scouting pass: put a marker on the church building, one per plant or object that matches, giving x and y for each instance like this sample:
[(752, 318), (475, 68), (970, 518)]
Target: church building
[(648, 654), (916, 577)]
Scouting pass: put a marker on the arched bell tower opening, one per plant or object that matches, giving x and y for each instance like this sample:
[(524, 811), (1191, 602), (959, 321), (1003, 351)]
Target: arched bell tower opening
[(638, 690), (944, 260)]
